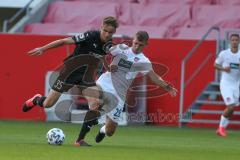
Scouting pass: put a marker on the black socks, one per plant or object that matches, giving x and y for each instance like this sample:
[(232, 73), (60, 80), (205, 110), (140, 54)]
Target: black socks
[(91, 118)]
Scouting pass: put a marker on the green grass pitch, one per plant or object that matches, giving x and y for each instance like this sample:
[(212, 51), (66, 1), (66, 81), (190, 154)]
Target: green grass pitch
[(26, 141)]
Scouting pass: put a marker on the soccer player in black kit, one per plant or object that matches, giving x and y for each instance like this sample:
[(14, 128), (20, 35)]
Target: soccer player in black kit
[(90, 43)]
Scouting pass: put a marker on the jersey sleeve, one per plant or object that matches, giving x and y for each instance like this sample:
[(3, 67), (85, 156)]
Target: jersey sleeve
[(81, 37), (118, 49), (219, 60)]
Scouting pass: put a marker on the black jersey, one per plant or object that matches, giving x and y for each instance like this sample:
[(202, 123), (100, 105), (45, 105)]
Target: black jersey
[(89, 43)]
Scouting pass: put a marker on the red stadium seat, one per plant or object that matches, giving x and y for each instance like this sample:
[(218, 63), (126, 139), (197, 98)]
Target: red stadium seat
[(227, 2), (209, 15), (155, 15), (198, 2), (118, 1), (191, 2), (80, 12), (194, 33), (56, 28), (64, 29), (155, 1), (154, 32)]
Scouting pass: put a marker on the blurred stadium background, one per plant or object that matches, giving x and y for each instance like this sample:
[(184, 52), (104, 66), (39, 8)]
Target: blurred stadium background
[(186, 36)]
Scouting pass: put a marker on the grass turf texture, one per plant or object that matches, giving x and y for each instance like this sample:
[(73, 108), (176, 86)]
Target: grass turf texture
[(26, 141)]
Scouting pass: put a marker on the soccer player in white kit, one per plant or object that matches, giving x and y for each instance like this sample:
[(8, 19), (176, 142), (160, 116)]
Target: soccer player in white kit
[(112, 86), (228, 63)]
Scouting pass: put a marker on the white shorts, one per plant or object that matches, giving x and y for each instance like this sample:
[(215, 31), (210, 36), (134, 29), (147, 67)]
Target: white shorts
[(230, 93), (113, 104)]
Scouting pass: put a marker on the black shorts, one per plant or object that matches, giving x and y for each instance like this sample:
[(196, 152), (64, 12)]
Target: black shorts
[(77, 70), (65, 80)]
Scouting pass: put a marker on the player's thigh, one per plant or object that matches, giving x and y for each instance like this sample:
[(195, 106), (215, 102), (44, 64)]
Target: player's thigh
[(111, 126), (110, 101), (93, 92), (67, 78), (227, 93)]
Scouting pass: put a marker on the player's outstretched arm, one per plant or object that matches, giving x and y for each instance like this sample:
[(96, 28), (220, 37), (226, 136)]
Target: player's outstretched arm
[(160, 82), (54, 44)]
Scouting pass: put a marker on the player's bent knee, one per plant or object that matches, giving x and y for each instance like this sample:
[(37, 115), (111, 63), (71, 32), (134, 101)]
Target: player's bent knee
[(93, 106), (230, 109), (85, 92), (109, 133)]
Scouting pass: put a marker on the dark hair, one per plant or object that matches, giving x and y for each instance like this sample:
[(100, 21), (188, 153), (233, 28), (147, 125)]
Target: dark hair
[(142, 36), (234, 35), (110, 21)]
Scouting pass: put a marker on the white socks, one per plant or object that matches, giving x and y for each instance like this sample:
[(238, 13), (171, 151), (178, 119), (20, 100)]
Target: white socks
[(103, 130), (223, 122)]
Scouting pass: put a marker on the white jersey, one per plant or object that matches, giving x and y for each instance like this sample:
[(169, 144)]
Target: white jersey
[(227, 58), (129, 66), (115, 85)]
